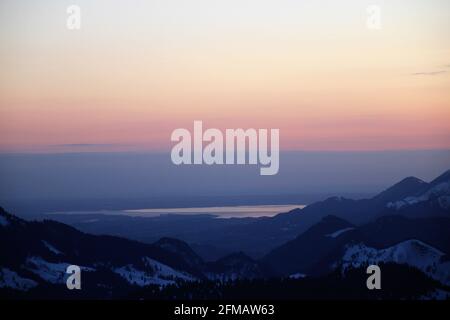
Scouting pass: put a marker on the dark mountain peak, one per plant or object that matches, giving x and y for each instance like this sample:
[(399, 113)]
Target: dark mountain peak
[(412, 179), (180, 248), (301, 254), (171, 243), (445, 177), (331, 203), (5, 214), (329, 223), (336, 199), (7, 219), (405, 188)]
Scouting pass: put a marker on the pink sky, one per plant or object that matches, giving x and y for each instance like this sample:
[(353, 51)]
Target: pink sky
[(317, 74)]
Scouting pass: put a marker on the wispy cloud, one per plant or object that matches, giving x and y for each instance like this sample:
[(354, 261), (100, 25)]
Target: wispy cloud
[(429, 73), (442, 69), (86, 145)]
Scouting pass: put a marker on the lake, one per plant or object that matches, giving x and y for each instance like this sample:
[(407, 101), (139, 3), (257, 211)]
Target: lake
[(220, 212)]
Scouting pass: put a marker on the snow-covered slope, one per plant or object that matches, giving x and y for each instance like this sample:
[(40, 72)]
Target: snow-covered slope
[(36, 254), (152, 272), (49, 271), (414, 253), (10, 279), (440, 193)]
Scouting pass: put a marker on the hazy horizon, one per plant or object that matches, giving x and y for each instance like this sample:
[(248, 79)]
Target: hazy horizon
[(138, 175)]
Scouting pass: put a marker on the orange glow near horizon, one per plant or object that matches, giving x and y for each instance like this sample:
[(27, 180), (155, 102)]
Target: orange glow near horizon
[(319, 75)]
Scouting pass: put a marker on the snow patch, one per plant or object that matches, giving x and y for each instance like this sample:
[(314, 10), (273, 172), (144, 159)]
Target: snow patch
[(51, 272), (139, 277), (51, 248), (297, 276), (165, 270), (338, 233), (440, 191), (155, 273), (414, 253), (437, 294), (10, 279)]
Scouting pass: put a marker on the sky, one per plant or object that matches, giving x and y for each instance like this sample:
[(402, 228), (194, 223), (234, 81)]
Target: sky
[(137, 70), (89, 113)]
